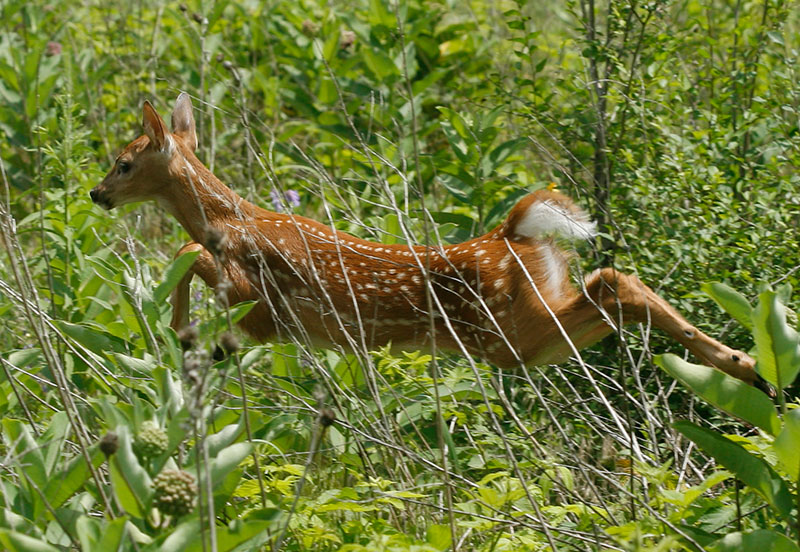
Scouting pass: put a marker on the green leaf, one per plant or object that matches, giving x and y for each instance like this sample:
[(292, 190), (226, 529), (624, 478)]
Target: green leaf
[(439, 537), (379, 15), (223, 438), (134, 365), (458, 144), (131, 484), (19, 542), (220, 323), (775, 37), (186, 534), (731, 301), (25, 452), (68, 481), (113, 533), (787, 444), (751, 470), (457, 133), (379, 63), (227, 460), (723, 391), (502, 152), (778, 344), (172, 276), (239, 532), (330, 47), (762, 540), (94, 339), (88, 532)]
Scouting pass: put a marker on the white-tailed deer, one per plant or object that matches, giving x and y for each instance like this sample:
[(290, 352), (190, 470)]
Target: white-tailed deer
[(505, 296)]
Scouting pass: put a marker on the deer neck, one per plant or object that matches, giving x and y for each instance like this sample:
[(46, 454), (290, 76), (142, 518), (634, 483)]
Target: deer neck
[(200, 201)]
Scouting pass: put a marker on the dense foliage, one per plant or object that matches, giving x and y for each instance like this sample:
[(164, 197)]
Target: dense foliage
[(674, 123)]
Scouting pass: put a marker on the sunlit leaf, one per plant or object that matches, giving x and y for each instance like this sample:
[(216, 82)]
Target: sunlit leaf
[(440, 536), (25, 452), (131, 484), (787, 444), (723, 391), (778, 344), (761, 540), (750, 469), (69, 480), (13, 541), (172, 276), (731, 301), (228, 459)]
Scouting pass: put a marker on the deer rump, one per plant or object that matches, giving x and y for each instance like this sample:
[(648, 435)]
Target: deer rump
[(505, 296)]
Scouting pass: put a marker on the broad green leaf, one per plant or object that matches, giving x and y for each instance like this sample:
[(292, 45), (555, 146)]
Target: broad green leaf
[(96, 340), (328, 94), (186, 534), (135, 365), (26, 452), (723, 391), (751, 470), (113, 533), (762, 540), (131, 484), (69, 480), (186, 537), (220, 323), (379, 14), (223, 438), (458, 143), (439, 537), (787, 444), (239, 532), (731, 301), (329, 48), (227, 460), (11, 541), (54, 437), (778, 344), (457, 133), (502, 152), (88, 531), (172, 276), (379, 63)]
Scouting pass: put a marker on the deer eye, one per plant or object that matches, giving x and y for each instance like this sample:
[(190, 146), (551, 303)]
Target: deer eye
[(123, 167)]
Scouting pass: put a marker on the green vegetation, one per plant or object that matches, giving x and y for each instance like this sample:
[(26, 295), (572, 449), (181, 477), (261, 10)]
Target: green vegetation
[(674, 123)]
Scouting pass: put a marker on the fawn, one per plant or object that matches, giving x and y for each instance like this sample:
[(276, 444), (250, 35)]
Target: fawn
[(505, 297)]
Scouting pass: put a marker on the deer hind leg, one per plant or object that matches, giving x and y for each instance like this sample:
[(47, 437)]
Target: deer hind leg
[(627, 299), (204, 267)]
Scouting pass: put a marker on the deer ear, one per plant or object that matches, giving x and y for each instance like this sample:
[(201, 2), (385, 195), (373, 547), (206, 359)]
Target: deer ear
[(183, 120), (153, 126)]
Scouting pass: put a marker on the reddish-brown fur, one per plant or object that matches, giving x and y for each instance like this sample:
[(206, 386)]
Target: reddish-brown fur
[(504, 296)]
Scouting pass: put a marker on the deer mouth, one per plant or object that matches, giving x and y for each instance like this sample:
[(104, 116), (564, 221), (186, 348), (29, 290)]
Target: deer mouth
[(100, 199)]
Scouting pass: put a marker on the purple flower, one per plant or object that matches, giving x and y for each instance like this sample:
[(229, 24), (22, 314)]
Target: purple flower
[(290, 198), (52, 48)]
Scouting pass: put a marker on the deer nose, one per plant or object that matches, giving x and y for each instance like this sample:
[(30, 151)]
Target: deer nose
[(94, 195)]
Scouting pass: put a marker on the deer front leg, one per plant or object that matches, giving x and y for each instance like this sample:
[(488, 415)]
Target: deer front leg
[(204, 267)]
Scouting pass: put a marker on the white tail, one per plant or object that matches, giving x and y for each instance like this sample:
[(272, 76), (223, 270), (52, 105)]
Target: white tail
[(505, 296)]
